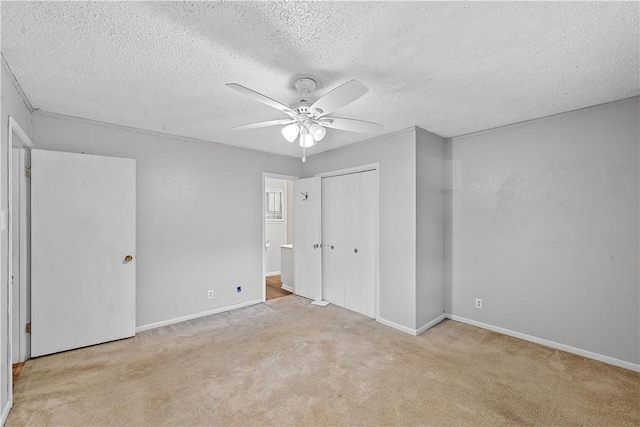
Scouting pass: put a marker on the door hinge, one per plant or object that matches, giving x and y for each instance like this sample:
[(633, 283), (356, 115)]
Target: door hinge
[(29, 327), (27, 172)]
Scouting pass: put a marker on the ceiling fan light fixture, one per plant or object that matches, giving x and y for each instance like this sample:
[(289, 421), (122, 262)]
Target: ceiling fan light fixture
[(290, 132), (317, 132), (306, 140), (308, 119)]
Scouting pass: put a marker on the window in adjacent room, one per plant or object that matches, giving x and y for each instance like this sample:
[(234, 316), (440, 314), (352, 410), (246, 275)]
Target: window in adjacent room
[(274, 205)]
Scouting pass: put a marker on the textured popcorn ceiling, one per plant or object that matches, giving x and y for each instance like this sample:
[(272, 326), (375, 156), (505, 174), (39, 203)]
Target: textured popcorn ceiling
[(450, 68)]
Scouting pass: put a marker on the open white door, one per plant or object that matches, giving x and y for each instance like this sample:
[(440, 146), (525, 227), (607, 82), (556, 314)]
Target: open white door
[(83, 233), (307, 234)]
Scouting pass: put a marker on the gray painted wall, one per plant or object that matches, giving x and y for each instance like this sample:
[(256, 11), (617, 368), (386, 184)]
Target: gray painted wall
[(396, 154), (545, 229), (199, 213), (276, 232), (289, 211), (430, 227), (11, 105)]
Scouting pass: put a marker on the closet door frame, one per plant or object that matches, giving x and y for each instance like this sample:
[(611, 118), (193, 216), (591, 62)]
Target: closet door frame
[(366, 168)]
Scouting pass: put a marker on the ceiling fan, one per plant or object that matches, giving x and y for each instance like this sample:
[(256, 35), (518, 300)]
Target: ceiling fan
[(307, 118)]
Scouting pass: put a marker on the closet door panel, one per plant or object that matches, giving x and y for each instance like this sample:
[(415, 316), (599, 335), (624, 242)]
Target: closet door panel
[(367, 243), (333, 232), (352, 287)]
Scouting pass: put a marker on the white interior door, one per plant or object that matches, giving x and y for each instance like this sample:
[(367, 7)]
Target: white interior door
[(307, 236), (83, 228)]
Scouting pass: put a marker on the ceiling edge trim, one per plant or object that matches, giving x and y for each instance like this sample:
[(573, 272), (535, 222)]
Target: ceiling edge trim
[(16, 85), (548, 118), (131, 129)]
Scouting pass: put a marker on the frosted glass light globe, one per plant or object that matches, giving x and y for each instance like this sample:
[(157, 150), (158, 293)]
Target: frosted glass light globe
[(306, 140), (290, 132), (317, 132)]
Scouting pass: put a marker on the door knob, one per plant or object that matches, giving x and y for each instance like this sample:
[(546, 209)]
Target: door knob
[(355, 250), (128, 258)]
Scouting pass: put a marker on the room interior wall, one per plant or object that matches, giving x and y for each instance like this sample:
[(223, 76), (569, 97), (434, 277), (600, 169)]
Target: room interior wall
[(12, 105), (199, 213), (430, 228), (396, 155), (275, 232), (545, 229)]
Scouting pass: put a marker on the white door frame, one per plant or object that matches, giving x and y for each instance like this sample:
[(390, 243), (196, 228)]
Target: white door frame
[(358, 169), (266, 175), (17, 139)]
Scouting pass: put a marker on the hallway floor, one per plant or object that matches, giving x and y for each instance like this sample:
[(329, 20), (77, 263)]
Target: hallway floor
[(274, 288)]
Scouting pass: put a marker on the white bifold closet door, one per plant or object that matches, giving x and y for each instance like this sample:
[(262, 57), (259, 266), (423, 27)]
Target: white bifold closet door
[(348, 237)]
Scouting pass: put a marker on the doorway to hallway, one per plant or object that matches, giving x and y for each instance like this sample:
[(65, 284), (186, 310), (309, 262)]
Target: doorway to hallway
[(277, 235)]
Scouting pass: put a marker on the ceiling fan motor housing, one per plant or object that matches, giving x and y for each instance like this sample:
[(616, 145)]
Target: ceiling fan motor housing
[(301, 107)]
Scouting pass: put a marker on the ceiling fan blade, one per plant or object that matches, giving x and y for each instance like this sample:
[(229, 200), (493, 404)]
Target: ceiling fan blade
[(351, 125), (262, 98), (338, 98), (265, 124)]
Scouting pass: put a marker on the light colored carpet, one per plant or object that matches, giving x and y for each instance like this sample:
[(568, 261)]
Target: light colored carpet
[(287, 362)]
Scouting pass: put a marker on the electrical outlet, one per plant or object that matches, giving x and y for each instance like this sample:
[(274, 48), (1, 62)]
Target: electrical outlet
[(210, 294), (478, 303), (238, 288)]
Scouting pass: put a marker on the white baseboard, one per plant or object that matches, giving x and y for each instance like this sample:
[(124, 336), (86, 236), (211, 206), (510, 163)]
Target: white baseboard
[(5, 413), (430, 324), (273, 273), (558, 346), (407, 330), (196, 315), (397, 326), (287, 288)]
